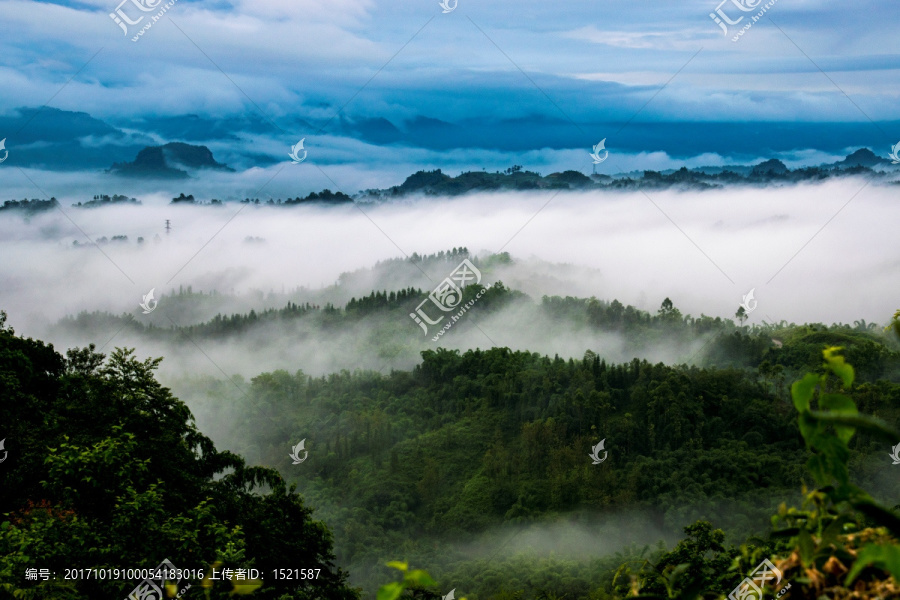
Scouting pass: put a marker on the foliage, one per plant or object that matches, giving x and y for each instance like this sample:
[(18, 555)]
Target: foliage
[(107, 470), (413, 581), (842, 529), (470, 442)]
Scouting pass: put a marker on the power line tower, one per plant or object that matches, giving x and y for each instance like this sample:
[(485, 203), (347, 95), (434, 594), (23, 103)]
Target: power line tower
[(168, 226)]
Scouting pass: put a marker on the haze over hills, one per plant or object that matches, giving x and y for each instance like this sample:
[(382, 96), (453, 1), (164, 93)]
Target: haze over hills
[(57, 139), (400, 300), (181, 161)]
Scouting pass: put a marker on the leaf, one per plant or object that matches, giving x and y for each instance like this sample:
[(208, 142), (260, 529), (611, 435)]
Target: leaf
[(834, 529), (242, 588), (809, 427), (396, 564), (677, 571), (390, 591), (864, 422), (885, 557), (840, 404), (785, 533), (806, 546), (419, 578), (836, 363), (818, 468), (880, 515), (802, 391)]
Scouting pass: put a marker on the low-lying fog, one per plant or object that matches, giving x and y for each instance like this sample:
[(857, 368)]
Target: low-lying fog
[(812, 253)]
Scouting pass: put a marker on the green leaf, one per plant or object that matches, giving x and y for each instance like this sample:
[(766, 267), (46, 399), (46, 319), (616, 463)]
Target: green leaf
[(836, 363), (396, 564), (806, 546), (881, 515), (786, 533), (834, 529), (818, 468), (809, 427), (839, 403), (885, 557), (419, 578), (390, 591), (864, 422), (802, 391)]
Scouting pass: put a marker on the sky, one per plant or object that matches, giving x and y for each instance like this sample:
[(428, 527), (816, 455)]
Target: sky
[(388, 87), (380, 90)]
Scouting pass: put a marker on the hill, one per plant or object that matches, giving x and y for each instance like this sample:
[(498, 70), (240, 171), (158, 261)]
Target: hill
[(169, 162)]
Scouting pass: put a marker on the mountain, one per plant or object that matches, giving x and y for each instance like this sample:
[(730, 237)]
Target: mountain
[(773, 166), (861, 158), (54, 139), (163, 162), (437, 183)]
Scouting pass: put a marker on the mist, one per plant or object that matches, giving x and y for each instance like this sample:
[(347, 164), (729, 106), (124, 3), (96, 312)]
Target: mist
[(704, 250), (811, 253)]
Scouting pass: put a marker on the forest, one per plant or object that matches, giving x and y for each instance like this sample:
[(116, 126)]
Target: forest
[(474, 465)]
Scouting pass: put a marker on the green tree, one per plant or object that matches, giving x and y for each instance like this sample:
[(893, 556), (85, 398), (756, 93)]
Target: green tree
[(107, 469)]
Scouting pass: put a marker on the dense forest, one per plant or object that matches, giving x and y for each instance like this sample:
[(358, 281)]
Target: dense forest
[(105, 469), (476, 465), (384, 329), (481, 466), (488, 441)]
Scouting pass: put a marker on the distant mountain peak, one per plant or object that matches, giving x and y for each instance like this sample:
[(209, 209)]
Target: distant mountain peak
[(769, 167), (862, 158), (170, 161)]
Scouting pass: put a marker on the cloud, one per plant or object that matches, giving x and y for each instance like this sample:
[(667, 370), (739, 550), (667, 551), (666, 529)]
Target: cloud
[(703, 250), (287, 58), (655, 40)]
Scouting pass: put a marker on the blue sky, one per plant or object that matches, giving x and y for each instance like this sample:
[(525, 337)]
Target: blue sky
[(486, 83)]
